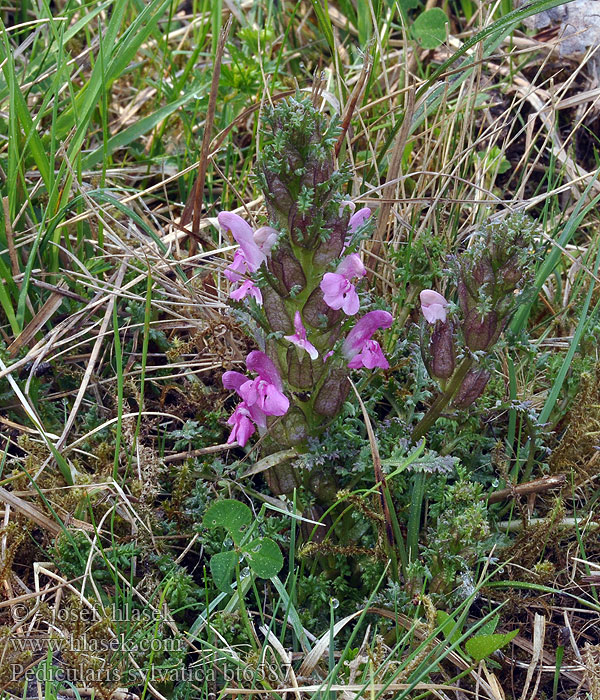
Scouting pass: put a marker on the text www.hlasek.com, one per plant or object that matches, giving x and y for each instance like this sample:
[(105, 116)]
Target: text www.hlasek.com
[(92, 645)]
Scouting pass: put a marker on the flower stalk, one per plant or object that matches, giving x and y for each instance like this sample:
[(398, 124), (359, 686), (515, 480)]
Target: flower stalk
[(491, 277), (442, 401)]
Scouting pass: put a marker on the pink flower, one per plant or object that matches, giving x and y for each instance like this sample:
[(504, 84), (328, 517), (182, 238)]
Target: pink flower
[(262, 396), (235, 381), (358, 219), (253, 251), (300, 339), (242, 425), (243, 235), (433, 306), (339, 293), (351, 266), (247, 287), (338, 290), (239, 268), (359, 349), (266, 391), (265, 238), (259, 392), (370, 356), (263, 365)]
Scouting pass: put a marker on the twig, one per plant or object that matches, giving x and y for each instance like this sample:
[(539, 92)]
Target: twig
[(537, 486), (354, 97), (180, 456)]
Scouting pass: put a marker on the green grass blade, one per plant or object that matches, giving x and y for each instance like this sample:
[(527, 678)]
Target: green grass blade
[(135, 131), (584, 321)]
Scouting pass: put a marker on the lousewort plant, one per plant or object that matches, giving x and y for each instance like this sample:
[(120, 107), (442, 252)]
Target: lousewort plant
[(491, 278), (299, 283)]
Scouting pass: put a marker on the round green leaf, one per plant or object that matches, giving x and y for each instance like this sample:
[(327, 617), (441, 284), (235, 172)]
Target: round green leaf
[(221, 568), (264, 557), (429, 29), (230, 514)]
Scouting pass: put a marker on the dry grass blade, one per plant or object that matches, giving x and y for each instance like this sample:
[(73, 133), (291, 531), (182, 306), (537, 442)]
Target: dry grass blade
[(379, 475), (35, 514), (356, 95), (10, 240), (270, 461), (539, 632), (50, 307), (387, 190), (93, 358), (198, 189), (285, 656), (314, 655)]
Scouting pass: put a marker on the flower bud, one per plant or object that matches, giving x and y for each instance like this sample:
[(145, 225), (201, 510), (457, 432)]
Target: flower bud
[(289, 430), (287, 270), (276, 312), (297, 172), (472, 387), (433, 306), (333, 393), (299, 369), (481, 331), (441, 351), (511, 273)]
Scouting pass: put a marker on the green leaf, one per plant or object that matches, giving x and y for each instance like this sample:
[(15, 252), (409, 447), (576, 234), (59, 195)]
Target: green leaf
[(264, 557), (221, 568), (429, 29), (291, 613), (483, 645), (406, 5), (230, 514), (6, 288), (490, 626), (494, 159), (448, 623), (364, 22), (322, 14)]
